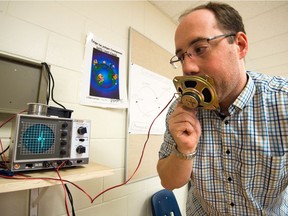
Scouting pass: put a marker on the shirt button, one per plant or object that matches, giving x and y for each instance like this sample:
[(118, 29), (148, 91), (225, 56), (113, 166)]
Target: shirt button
[(229, 179), (226, 122), (232, 204), (228, 151)]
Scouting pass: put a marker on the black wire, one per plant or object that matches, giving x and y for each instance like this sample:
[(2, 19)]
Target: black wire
[(3, 163), (70, 199), (49, 87), (49, 82), (52, 89), (5, 150)]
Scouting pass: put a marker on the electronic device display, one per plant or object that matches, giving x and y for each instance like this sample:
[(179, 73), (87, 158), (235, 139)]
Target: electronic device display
[(196, 91), (42, 142)]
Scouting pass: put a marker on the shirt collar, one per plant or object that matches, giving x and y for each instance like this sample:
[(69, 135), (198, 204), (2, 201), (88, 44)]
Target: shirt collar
[(243, 99), (246, 95)]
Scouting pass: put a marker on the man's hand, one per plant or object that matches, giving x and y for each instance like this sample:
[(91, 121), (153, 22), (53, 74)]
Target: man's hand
[(185, 128)]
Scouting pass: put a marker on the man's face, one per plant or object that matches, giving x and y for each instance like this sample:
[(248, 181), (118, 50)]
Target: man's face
[(221, 62)]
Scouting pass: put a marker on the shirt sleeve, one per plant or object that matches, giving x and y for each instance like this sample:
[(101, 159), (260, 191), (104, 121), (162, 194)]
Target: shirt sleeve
[(168, 142)]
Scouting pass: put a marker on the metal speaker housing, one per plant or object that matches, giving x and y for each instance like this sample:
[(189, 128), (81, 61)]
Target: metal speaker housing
[(196, 91)]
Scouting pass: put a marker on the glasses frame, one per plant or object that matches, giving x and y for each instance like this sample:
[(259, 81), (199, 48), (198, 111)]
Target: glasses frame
[(181, 59)]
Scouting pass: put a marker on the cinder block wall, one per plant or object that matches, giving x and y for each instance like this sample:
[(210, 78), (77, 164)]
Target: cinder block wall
[(55, 32)]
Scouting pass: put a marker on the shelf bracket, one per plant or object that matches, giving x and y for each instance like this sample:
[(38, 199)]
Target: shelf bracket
[(34, 199)]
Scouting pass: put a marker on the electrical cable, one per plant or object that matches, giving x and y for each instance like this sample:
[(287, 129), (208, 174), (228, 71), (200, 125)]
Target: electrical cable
[(142, 154), (9, 119), (53, 84), (64, 188), (3, 157), (49, 85), (70, 199), (135, 171), (4, 150), (18, 176), (63, 181)]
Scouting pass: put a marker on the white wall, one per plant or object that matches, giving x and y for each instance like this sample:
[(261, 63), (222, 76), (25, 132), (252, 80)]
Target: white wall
[(266, 27), (267, 32), (55, 32)]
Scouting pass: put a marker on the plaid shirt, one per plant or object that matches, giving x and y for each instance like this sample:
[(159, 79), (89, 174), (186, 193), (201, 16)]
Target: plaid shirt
[(241, 167)]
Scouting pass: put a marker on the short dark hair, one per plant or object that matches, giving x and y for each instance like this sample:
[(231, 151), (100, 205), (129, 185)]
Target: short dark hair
[(227, 17)]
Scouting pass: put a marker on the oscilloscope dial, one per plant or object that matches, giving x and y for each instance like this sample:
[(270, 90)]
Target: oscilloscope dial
[(82, 130)]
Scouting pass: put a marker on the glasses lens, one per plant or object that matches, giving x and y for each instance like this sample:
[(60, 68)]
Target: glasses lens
[(198, 49)]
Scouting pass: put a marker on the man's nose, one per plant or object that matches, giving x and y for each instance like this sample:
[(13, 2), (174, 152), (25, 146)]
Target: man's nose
[(189, 66)]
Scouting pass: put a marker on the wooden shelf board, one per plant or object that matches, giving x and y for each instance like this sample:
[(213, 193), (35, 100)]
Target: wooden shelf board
[(73, 174)]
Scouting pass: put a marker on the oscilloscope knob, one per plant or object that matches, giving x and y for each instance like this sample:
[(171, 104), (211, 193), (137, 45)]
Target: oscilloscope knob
[(62, 152), (81, 149), (64, 133), (63, 142), (65, 125), (82, 130)]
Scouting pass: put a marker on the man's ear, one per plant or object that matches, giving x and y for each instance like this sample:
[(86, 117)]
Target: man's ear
[(241, 41)]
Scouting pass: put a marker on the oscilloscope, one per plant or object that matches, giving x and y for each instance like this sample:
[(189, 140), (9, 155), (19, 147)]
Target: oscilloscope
[(42, 142)]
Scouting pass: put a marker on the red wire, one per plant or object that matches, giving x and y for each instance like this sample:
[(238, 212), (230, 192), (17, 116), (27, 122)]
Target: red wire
[(1, 145), (18, 176), (3, 155), (78, 187), (64, 189), (9, 119), (1, 125), (141, 157)]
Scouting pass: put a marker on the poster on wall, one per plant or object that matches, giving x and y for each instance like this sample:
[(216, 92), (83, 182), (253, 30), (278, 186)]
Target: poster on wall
[(104, 82), (149, 93)]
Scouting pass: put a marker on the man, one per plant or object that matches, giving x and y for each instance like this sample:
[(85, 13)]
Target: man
[(235, 157)]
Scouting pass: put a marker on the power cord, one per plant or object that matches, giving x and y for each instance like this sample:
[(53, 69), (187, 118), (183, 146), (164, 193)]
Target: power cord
[(4, 151), (70, 199), (49, 85), (63, 181)]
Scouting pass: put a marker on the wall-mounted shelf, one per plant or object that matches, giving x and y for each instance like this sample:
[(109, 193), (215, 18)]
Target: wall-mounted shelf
[(73, 174), (86, 172)]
